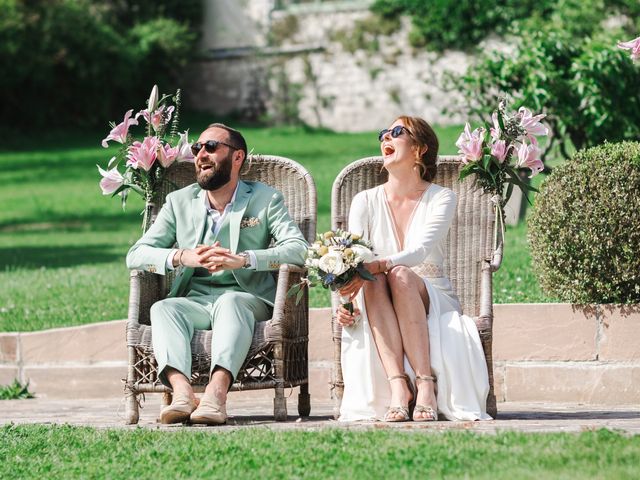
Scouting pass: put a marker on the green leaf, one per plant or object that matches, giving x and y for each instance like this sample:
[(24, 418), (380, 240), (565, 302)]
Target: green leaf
[(294, 290), (364, 273), (509, 191), (486, 161), (299, 296)]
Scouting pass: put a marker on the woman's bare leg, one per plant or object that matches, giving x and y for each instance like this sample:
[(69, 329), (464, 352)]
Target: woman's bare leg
[(387, 337), (411, 304)]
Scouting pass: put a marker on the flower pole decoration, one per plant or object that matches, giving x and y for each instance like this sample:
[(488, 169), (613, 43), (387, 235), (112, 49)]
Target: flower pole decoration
[(488, 152), (147, 159), (332, 261), (634, 46)]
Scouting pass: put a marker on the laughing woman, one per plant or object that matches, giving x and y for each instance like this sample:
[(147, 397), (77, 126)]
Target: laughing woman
[(412, 333)]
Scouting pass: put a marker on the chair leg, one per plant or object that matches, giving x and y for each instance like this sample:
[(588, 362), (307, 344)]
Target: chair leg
[(492, 408), (131, 408), (280, 405), (304, 401)]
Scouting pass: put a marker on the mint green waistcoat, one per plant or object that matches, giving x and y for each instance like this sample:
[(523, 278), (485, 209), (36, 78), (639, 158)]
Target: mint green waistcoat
[(202, 281)]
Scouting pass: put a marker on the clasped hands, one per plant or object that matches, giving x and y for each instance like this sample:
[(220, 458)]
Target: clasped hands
[(212, 257)]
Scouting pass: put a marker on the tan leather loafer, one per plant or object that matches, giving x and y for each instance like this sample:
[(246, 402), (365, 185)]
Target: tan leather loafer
[(181, 407), (209, 412)]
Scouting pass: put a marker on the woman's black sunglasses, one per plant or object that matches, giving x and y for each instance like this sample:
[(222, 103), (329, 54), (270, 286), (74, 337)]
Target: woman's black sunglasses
[(210, 146), (395, 132)]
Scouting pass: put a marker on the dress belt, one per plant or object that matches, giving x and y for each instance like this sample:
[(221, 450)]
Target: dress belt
[(429, 270)]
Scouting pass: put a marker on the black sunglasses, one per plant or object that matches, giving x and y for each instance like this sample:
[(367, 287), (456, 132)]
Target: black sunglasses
[(210, 146), (395, 132)]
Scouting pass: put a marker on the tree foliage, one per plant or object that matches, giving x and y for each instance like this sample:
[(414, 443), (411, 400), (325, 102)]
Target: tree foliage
[(83, 61)]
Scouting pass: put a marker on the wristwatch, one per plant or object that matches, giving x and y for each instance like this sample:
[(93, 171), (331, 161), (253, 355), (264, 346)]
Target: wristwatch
[(247, 259)]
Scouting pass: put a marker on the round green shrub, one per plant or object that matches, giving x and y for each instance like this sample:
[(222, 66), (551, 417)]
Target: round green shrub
[(585, 228)]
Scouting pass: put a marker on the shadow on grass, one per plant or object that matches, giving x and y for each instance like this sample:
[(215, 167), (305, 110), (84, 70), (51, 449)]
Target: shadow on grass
[(87, 221), (57, 257)]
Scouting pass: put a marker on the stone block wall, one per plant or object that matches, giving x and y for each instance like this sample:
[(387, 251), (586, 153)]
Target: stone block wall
[(554, 353), (565, 353), (310, 75)]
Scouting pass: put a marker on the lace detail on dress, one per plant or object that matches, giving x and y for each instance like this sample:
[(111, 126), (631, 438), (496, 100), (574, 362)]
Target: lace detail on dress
[(429, 270)]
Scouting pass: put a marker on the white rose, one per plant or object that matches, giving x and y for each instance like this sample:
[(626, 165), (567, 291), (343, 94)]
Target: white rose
[(332, 263), (362, 253)]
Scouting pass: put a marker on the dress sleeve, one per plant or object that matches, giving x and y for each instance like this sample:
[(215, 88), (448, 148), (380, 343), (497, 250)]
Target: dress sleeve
[(359, 216), (435, 228)]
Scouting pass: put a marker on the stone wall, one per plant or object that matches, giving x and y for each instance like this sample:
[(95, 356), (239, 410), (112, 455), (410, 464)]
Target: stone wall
[(308, 75), (542, 353)]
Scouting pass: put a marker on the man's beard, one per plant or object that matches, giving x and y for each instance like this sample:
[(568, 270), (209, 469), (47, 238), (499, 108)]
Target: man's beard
[(217, 176)]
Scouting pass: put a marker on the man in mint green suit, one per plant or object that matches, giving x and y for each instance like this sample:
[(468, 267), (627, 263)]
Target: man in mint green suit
[(224, 236)]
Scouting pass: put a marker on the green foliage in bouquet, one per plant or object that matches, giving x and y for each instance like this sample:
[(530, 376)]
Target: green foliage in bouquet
[(585, 229)]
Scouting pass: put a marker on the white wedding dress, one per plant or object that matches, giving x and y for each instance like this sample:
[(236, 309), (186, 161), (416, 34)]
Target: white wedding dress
[(457, 358)]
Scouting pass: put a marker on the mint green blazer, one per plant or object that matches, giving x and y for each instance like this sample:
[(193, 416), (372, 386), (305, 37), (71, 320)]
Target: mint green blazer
[(258, 216)]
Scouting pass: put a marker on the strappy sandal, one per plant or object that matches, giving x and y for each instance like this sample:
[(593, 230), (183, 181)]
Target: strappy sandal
[(432, 414), (405, 412)]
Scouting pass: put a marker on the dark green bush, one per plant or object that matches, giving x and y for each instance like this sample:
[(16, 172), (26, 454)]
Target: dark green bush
[(585, 228), (85, 61), (461, 24)]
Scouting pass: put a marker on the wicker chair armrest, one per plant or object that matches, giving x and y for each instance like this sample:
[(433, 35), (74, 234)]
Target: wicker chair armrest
[(145, 289), (290, 318)]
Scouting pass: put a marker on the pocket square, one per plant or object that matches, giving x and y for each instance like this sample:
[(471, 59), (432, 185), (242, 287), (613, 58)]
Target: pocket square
[(249, 222)]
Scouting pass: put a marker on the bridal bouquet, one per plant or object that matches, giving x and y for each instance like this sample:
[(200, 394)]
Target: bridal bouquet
[(146, 159), (333, 260), (488, 150)]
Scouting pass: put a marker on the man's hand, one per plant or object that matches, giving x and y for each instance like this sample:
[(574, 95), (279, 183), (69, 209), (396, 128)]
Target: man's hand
[(212, 257)]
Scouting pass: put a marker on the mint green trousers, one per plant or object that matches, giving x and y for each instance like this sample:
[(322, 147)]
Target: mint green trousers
[(230, 314)]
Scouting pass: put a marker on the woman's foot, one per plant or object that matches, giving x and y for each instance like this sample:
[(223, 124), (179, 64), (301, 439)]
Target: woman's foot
[(402, 397), (426, 409)]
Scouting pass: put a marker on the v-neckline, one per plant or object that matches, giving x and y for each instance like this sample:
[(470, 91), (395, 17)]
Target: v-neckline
[(394, 227)]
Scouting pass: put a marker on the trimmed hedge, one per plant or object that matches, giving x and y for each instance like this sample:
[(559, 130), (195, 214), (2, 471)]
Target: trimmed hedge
[(585, 228)]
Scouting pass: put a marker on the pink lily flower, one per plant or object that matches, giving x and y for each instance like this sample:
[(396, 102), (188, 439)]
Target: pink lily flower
[(111, 181), (167, 155), (470, 144), (634, 46), (500, 150), (119, 133), (184, 148), (158, 117), (529, 157), (143, 155), (531, 123)]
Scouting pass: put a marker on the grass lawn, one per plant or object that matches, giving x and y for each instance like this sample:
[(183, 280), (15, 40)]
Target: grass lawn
[(76, 452), (62, 243)]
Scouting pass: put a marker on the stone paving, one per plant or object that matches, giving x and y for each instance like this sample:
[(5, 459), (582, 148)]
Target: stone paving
[(252, 412)]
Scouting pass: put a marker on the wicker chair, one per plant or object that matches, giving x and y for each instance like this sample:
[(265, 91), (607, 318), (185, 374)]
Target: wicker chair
[(278, 356), (470, 258)]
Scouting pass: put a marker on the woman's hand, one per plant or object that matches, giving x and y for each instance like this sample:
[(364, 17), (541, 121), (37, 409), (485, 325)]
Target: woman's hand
[(351, 289), (345, 318)]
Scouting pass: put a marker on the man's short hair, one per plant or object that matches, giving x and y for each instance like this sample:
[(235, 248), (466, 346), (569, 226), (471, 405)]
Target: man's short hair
[(235, 137)]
